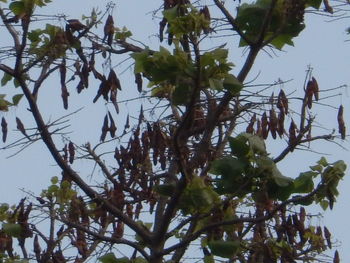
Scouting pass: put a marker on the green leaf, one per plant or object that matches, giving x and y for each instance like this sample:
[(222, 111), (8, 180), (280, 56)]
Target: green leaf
[(14, 230), (224, 249), (232, 84), (304, 183), (17, 7), (54, 180), (110, 258), (280, 180), (215, 84), (314, 3), (209, 259), (16, 98), (165, 189), (239, 146), (323, 162), (4, 1), (140, 59), (6, 78), (256, 143), (324, 204)]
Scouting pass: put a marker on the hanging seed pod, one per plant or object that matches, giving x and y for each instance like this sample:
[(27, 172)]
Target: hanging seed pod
[(104, 129), (280, 123), (273, 123), (302, 214), (119, 230), (138, 81), (63, 72), (205, 12), (20, 127), (341, 123), (336, 258), (102, 90), (264, 126), (64, 95), (309, 92), (113, 80), (129, 211), (315, 88), (37, 248), (112, 127), (113, 98), (162, 25), (4, 129), (141, 116), (250, 127), (292, 135), (284, 101), (138, 210), (71, 151), (108, 30), (327, 235), (65, 153), (258, 128), (85, 75)]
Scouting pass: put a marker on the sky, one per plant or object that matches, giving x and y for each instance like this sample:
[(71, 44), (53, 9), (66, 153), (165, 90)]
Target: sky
[(322, 45)]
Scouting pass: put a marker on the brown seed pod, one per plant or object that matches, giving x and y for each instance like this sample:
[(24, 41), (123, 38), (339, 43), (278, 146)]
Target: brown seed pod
[(273, 123), (65, 153), (341, 123), (250, 127), (108, 30), (37, 248), (84, 76), (71, 151), (327, 235), (309, 93), (292, 135), (162, 25), (113, 80), (258, 128), (104, 128), (280, 123), (64, 95), (264, 126), (138, 81), (4, 129), (112, 127), (20, 127), (284, 101), (119, 230), (63, 72), (336, 258), (129, 211), (315, 88)]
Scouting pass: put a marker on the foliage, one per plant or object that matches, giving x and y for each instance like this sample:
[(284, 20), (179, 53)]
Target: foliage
[(202, 175)]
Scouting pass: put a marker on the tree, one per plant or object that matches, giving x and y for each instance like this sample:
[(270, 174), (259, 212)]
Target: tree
[(192, 170)]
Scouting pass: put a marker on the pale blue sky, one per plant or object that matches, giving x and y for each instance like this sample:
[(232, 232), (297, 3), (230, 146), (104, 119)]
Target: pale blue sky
[(322, 45)]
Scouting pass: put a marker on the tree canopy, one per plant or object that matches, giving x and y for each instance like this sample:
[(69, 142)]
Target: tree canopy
[(182, 169)]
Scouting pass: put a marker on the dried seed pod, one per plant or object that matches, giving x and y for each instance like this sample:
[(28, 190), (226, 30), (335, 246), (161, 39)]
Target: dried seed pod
[(104, 128), (284, 101), (71, 151), (138, 81), (292, 135), (84, 76), (162, 25), (129, 211), (63, 72), (327, 235), (250, 127), (273, 123), (4, 129), (113, 80), (315, 88), (112, 127), (113, 98), (309, 92), (302, 214), (20, 127), (280, 123), (108, 30), (36, 245), (119, 230), (341, 123), (205, 12), (102, 90), (264, 126), (258, 128), (64, 95), (336, 258), (65, 153)]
